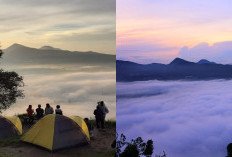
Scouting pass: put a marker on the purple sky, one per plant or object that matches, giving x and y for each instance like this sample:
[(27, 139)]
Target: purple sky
[(158, 31)]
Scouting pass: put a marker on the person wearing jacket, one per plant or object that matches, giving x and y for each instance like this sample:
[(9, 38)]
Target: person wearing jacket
[(104, 110), (48, 109), (99, 117)]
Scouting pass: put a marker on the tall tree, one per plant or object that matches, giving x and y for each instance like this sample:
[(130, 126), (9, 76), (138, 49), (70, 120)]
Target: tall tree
[(10, 83)]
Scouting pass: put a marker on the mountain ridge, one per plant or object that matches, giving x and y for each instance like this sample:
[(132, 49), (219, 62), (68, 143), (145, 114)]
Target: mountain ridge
[(178, 69), (47, 47), (20, 54), (179, 61), (205, 61)]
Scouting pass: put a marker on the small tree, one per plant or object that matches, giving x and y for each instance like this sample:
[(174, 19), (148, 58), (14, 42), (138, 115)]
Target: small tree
[(120, 142), (138, 142), (130, 151), (149, 149), (134, 148), (10, 82), (229, 150)]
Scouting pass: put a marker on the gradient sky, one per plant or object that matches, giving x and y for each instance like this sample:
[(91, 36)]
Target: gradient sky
[(83, 25), (158, 30)]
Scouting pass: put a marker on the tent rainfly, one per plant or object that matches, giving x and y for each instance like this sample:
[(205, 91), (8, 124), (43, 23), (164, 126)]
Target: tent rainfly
[(10, 126), (55, 132)]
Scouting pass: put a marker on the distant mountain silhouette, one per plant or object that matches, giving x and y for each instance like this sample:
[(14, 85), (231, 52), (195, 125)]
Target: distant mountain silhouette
[(204, 61), (49, 48), (179, 61), (20, 54), (178, 69)]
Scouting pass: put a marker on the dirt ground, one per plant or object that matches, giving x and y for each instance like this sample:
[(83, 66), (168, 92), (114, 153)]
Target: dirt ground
[(100, 146)]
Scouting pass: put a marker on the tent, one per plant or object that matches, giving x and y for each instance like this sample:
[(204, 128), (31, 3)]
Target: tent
[(82, 124), (10, 126), (55, 132)]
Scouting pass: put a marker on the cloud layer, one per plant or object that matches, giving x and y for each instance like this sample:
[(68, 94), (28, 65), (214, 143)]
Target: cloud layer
[(186, 119), (76, 91), (220, 52)]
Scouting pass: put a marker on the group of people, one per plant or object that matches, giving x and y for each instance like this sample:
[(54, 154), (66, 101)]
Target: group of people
[(100, 114), (40, 112)]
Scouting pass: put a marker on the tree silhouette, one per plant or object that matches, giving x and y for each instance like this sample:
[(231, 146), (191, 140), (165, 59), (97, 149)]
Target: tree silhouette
[(120, 142), (10, 82), (149, 149), (134, 148), (130, 151), (229, 150)]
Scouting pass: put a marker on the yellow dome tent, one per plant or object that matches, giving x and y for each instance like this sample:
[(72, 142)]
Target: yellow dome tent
[(82, 124), (56, 132), (10, 126)]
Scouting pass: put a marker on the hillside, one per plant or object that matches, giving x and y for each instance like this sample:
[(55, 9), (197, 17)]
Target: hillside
[(18, 54), (178, 69)]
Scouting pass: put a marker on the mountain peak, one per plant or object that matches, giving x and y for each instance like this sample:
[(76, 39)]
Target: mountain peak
[(49, 48), (15, 46), (205, 61), (179, 61)]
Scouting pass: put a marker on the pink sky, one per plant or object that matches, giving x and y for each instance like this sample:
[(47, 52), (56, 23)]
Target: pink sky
[(155, 31)]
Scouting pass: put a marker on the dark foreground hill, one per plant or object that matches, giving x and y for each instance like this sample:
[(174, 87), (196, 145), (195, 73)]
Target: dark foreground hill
[(178, 69), (21, 55)]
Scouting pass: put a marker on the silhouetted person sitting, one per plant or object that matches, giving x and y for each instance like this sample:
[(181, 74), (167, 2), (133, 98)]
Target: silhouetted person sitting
[(99, 117), (89, 125), (39, 112), (229, 150), (30, 112), (48, 109), (58, 110)]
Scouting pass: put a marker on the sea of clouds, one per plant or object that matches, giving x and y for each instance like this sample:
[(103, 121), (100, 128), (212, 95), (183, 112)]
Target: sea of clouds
[(184, 118), (76, 88)]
